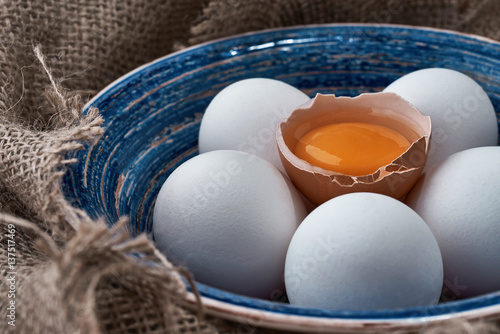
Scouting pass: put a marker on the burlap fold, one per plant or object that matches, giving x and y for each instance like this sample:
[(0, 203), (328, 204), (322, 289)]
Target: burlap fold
[(90, 282), (76, 275), (228, 17), (32, 165)]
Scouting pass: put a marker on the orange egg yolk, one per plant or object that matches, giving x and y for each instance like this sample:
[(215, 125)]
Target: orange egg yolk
[(353, 148)]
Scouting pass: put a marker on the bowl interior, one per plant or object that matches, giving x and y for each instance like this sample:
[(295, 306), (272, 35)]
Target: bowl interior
[(152, 115)]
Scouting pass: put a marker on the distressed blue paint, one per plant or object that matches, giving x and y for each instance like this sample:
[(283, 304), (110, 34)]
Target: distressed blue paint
[(152, 115)]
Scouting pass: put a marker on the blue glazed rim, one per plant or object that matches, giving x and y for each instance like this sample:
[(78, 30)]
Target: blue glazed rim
[(266, 38)]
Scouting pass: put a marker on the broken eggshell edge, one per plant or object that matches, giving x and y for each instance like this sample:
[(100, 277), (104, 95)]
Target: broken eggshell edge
[(386, 109)]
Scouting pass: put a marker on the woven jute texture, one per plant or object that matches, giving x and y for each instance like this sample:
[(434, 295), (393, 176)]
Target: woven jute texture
[(72, 274)]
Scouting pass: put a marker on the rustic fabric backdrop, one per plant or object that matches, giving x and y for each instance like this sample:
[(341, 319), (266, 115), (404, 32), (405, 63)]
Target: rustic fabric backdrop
[(73, 274)]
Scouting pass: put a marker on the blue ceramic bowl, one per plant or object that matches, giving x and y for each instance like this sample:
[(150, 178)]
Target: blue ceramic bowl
[(152, 117)]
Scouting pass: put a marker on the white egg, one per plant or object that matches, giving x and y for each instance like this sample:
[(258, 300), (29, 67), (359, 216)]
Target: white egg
[(462, 115), (363, 251), (458, 198), (228, 217), (244, 116)]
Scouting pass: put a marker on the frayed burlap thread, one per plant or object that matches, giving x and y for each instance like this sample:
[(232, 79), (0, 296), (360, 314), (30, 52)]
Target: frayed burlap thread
[(101, 281), (32, 162), (88, 44), (31, 168)]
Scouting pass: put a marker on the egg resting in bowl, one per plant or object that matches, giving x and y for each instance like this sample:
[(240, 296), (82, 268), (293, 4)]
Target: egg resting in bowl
[(386, 109)]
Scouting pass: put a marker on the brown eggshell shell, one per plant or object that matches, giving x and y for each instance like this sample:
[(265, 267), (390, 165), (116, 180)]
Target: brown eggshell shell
[(386, 109)]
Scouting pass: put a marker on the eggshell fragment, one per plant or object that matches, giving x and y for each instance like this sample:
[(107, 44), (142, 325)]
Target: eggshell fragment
[(386, 109)]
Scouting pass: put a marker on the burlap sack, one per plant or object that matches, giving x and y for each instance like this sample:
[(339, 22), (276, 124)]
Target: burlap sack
[(75, 275)]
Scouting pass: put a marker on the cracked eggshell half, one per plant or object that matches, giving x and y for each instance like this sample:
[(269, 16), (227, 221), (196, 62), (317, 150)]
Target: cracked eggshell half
[(386, 109)]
